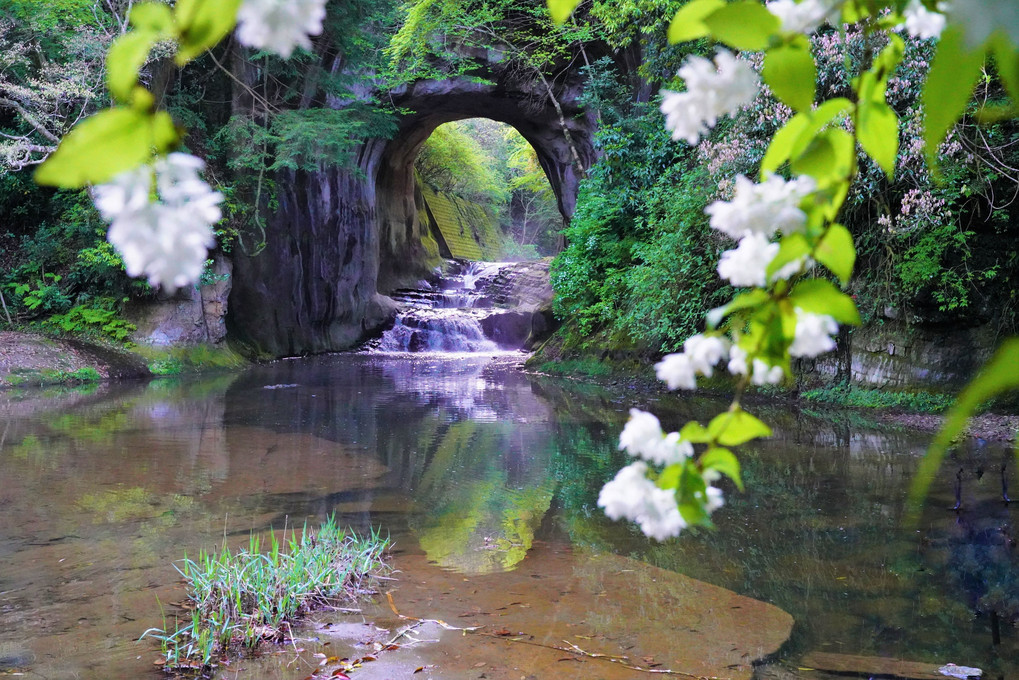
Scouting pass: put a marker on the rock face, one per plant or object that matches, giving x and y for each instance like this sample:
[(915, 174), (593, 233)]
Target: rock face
[(524, 288), (192, 316), (899, 357), (342, 236)]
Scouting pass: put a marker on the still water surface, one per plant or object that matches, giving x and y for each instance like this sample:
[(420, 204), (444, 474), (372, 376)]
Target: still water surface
[(472, 464)]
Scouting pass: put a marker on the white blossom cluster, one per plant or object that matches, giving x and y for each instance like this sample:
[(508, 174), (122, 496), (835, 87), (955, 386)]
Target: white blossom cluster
[(712, 90), (701, 353), (923, 23), (166, 239), (279, 26), (805, 16), (632, 495), (643, 438), (755, 213)]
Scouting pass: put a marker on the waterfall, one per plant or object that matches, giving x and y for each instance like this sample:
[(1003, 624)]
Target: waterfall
[(447, 315)]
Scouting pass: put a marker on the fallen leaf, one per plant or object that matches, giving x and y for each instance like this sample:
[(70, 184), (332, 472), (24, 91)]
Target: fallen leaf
[(503, 632), (339, 675), (419, 669)]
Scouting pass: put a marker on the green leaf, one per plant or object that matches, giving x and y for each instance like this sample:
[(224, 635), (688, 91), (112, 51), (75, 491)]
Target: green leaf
[(790, 72), (747, 300), (164, 133), (695, 433), (99, 148), (562, 9), (745, 25), (202, 25), (999, 375), (1006, 59), (791, 248), (828, 158), (953, 74), (825, 114), (736, 427), (126, 57), (153, 16), (781, 144), (799, 131), (688, 23), (837, 253), (879, 134), (820, 296), (669, 479), (724, 461)]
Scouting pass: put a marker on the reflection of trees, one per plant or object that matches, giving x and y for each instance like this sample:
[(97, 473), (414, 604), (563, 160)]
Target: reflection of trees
[(976, 552), (480, 505)]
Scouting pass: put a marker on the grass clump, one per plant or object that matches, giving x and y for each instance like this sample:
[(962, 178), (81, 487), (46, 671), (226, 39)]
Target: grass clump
[(576, 367), (238, 601), (857, 397)]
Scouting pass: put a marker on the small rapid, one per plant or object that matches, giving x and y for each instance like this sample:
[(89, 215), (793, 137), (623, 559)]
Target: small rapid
[(446, 315)]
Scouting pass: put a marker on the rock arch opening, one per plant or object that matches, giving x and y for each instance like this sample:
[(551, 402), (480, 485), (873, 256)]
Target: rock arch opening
[(342, 237), (484, 196)]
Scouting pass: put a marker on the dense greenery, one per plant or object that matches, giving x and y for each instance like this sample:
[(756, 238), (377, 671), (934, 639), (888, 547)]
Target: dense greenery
[(637, 271), (934, 249), (492, 164)]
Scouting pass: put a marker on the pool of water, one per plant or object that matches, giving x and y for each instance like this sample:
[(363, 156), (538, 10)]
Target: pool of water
[(475, 467)]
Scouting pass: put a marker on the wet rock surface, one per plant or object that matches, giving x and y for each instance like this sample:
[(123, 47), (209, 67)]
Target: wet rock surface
[(566, 614)]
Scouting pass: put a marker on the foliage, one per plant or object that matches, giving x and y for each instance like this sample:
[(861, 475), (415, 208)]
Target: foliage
[(639, 259), (99, 318), (452, 161), (240, 600), (859, 397)]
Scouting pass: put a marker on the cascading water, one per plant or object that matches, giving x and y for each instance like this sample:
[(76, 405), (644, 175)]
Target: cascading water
[(445, 316)]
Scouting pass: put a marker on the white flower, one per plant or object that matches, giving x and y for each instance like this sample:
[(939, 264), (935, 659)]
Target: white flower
[(806, 16), (813, 334), (631, 495), (166, 239), (676, 370), (765, 374), (623, 496), (792, 268), (660, 518), (773, 205), (921, 22), (643, 437), (704, 352), (279, 25), (668, 450), (127, 192), (715, 499), (748, 263), (737, 360), (712, 90), (642, 433)]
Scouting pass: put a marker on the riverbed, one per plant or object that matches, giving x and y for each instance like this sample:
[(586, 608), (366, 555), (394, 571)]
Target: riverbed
[(480, 474)]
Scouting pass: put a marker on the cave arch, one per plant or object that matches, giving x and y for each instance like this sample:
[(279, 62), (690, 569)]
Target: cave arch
[(342, 235)]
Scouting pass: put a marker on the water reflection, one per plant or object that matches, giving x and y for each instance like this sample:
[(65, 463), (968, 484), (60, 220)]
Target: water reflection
[(471, 463)]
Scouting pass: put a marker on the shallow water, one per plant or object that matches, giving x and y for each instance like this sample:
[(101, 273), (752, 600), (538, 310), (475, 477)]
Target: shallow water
[(476, 468)]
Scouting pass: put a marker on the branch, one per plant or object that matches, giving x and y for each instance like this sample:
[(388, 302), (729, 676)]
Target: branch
[(30, 119)]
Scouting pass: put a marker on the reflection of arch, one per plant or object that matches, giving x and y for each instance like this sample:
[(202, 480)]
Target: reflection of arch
[(342, 234)]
